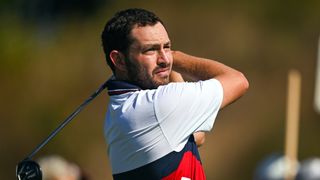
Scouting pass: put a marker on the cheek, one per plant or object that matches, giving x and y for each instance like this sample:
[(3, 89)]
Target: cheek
[(148, 63)]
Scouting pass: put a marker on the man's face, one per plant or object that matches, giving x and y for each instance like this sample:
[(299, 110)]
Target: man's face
[(149, 60)]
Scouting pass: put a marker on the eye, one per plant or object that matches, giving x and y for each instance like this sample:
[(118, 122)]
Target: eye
[(149, 51), (167, 46)]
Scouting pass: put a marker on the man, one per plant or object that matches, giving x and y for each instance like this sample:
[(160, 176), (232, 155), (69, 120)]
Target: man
[(150, 121)]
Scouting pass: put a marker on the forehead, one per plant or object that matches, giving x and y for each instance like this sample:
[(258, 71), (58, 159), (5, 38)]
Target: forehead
[(155, 34)]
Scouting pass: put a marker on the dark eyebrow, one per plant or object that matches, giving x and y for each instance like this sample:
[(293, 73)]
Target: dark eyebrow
[(147, 46)]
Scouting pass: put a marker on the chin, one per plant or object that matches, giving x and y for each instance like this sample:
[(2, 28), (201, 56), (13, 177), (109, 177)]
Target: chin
[(163, 81)]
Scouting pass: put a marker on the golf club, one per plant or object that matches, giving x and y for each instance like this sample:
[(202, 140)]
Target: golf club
[(28, 169)]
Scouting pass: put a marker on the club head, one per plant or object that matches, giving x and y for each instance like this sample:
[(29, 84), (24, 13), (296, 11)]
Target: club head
[(28, 170)]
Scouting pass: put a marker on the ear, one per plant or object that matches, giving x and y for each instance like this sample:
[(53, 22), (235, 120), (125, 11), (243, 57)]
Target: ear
[(118, 60)]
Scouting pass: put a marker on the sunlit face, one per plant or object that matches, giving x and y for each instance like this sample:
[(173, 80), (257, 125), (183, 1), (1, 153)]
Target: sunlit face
[(149, 60)]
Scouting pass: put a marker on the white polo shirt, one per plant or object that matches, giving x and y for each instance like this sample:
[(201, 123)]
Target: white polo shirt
[(145, 125)]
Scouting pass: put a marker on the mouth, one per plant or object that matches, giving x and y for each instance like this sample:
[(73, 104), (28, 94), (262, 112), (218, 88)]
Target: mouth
[(162, 72)]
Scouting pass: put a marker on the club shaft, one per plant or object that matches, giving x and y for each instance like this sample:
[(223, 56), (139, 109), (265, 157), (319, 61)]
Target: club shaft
[(67, 121)]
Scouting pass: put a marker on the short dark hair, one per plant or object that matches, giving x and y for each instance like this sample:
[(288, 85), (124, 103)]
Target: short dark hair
[(116, 33)]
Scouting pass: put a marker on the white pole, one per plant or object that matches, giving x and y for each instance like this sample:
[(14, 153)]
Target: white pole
[(317, 83), (292, 123)]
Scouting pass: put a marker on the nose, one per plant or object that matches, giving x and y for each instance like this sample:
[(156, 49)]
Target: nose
[(163, 57)]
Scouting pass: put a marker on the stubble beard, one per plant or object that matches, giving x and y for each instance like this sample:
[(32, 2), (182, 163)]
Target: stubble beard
[(139, 76)]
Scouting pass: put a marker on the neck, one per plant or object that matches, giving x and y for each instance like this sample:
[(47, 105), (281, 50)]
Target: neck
[(121, 75)]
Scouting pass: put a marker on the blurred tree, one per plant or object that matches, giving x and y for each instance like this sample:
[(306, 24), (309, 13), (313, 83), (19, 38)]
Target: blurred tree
[(39, 10), (52, 9)]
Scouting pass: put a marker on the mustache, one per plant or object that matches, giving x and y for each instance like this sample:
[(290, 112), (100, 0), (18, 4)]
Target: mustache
[(162, 67)]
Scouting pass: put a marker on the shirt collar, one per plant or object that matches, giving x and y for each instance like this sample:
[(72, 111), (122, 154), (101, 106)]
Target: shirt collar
[(117, 87)]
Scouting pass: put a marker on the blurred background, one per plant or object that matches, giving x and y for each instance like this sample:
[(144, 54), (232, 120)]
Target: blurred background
[(51, 60)]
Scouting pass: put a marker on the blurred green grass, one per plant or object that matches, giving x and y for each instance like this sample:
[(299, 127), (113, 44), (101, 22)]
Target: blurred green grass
[(47, 70)]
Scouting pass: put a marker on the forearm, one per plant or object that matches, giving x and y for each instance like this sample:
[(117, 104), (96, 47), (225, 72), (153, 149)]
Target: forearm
[(233, 82), (198, 68)]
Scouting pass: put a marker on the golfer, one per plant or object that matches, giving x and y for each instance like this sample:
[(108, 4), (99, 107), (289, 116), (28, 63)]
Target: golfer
[(153, 124)]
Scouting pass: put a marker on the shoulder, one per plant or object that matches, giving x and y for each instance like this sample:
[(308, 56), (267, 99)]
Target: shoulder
[(184, 94), (179, 88)]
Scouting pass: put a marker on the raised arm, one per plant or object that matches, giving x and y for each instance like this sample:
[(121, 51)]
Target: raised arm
[(199, 136), (233, 82)]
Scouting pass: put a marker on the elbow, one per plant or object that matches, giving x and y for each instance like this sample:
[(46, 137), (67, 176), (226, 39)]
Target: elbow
[(240, 84), (235, 87), (244, 83)]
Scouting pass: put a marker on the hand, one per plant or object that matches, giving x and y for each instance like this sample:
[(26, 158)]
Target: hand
[(176, 77), (199, 138)]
